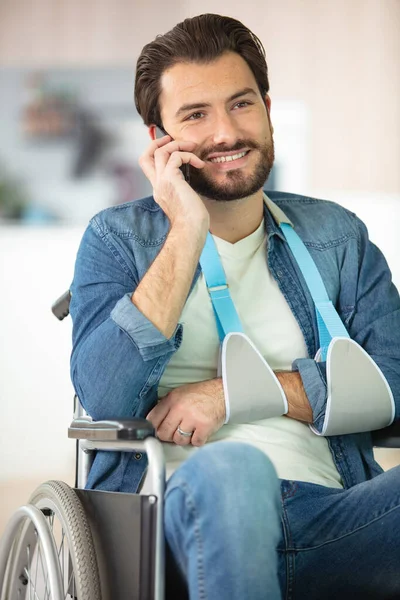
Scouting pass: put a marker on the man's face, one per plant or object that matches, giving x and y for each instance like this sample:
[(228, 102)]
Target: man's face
[(219, 107)]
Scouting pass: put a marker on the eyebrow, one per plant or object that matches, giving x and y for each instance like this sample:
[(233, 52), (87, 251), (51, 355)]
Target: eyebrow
[(187, 107)]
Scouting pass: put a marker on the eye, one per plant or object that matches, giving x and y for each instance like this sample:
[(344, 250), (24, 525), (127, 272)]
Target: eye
[(195, 116), (242, 104)]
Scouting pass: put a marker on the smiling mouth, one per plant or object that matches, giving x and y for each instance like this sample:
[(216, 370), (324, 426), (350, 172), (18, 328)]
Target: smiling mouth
[(229, 158)]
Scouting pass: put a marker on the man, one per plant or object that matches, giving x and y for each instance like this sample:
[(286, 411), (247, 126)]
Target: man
[(272, 510)]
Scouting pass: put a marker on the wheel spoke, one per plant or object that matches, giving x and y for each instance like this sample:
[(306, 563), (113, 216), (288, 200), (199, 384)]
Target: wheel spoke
[(37, 555), (28, 551), (60, 551), (71, 580), (30, 586), (35, 567), (38, 577), (36, 597), (63, 556), (44, 573)]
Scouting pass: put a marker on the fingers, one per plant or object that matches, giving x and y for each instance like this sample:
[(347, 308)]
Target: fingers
[(165, 421), (166, 430), (167, 163), (161, 154), (184, 440), (157, 415), (170, 413), (177, 159), (198, 438), (146, 160), (156, 157)]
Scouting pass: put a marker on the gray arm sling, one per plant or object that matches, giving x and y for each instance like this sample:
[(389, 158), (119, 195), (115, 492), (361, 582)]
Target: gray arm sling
[(359, 397)]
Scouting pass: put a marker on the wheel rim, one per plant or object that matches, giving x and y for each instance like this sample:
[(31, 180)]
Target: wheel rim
[(31, 571)]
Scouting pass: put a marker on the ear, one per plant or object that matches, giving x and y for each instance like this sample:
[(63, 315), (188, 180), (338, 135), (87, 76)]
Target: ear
[(152, 132), (267, 101)]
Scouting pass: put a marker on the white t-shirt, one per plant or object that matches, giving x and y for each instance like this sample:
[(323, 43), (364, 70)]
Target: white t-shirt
[(296, 452)]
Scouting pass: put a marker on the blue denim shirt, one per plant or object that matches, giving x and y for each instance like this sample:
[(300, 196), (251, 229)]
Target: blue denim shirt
[(119, 356)]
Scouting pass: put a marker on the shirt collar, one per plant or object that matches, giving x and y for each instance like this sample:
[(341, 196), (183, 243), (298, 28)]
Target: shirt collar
[(278, 217)]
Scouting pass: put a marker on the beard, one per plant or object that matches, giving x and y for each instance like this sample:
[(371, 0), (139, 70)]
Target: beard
[(237, 185)]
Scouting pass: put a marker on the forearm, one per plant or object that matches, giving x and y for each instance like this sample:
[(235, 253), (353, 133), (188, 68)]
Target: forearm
[(115, 347), (163, 291), (299, 406)]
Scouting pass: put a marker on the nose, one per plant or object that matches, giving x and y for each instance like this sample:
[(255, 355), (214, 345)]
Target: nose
[(224, 130)]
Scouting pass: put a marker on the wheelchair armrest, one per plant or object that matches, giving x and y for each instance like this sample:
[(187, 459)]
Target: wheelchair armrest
[(389, 437), (60, 308), (105, 431)]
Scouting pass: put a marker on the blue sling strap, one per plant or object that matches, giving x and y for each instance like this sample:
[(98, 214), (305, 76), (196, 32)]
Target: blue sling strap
[(329, 323), (224, 309)]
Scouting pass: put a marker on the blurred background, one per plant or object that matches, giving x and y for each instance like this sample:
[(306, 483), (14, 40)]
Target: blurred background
[(70, 139)]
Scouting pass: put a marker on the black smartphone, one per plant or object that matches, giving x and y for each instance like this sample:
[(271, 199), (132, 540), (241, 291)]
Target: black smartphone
[(184, 168)]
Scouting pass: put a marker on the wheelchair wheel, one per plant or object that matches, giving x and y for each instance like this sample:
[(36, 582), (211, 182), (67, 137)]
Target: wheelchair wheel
[(29, 573)]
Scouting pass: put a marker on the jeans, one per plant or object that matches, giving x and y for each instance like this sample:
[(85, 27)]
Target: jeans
[(222, 523), (241, 533)]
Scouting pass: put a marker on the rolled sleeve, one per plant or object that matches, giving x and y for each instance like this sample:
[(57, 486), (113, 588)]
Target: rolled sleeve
[(313, 376), (118, 355), (150, 342)]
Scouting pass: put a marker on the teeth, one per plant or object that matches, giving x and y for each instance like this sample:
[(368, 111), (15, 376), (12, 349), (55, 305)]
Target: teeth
[(221, 159)]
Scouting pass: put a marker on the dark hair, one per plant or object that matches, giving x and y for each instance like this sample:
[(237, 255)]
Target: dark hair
[(200, 39)]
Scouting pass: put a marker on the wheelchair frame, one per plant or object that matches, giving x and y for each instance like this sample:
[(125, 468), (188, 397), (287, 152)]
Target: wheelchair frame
[(129, 435), (135, 562)]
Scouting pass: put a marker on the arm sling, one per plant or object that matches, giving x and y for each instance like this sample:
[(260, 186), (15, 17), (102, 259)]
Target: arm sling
[(358, 396)]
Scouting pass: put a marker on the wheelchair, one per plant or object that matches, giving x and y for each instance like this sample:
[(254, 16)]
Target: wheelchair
[(72, 543)]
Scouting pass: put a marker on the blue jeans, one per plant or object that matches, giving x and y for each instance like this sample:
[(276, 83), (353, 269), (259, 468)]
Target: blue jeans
[(240, 533)]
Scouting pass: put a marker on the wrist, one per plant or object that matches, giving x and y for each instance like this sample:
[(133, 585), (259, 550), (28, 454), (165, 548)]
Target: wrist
[(216, 390), (193, 228), (298, 403)]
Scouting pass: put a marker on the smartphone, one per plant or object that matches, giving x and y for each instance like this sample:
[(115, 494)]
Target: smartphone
[(184, 168)]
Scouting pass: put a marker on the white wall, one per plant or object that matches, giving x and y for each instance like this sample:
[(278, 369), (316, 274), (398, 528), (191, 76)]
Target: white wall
[(339, 59), (342, 61), (71, 32), (36, 393), (36, 266)]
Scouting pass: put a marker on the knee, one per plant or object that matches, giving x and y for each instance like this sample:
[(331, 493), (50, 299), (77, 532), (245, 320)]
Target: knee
[(232, 468), (237, 461)]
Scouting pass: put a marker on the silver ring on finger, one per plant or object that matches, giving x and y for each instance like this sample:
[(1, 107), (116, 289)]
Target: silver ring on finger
[(185, 433)]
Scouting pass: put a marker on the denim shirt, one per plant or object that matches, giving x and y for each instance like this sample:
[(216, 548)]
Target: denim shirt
[(118, 355)]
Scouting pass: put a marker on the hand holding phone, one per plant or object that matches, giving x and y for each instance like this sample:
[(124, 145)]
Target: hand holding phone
[(184, 168), (161, 164)]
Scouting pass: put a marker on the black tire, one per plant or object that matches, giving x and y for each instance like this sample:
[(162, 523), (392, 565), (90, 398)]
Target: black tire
[(62, 509)]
